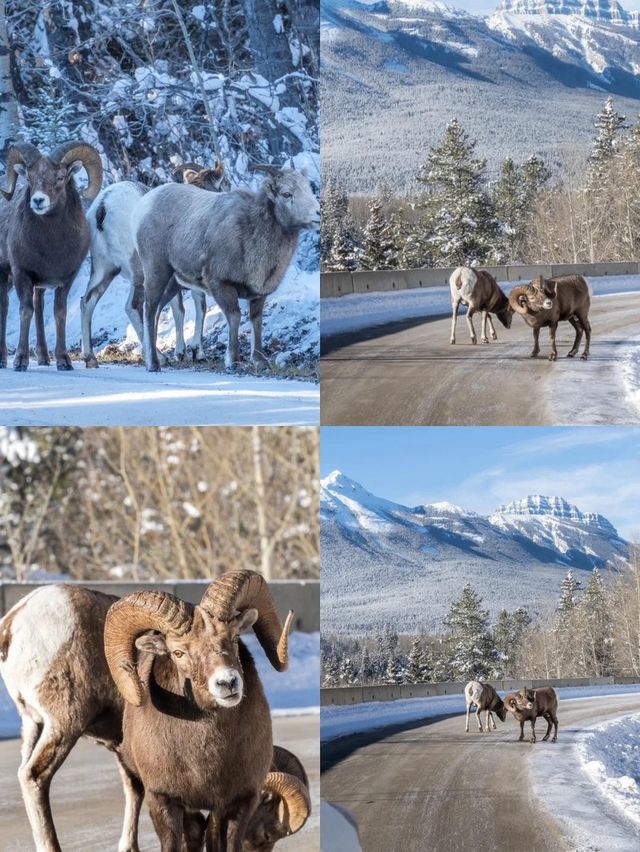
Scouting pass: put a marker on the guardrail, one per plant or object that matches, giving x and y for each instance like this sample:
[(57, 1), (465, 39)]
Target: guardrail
[(334, 284), (345, 695), (302, 596)]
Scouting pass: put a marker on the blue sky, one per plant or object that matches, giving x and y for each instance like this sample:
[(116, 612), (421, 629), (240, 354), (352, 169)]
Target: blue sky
[(479, 468)]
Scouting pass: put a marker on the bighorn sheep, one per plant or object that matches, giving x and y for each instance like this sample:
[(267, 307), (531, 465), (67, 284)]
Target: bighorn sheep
[(44, 237), (112, 248), (531, 703), (480, 292), (53, 664), (484, 696), (234, 245), (548, 301), (197, 728)]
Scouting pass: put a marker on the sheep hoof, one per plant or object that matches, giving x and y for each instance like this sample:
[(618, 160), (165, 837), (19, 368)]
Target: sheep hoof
[(584, 356), (43, 361), (520, 739), (452, 342), (197, 354), (553, 739), (20, 366), (553, 356), (570, 354), (179, 357), (91, 362), (534, 355), (153, 368), (484, 340), (494, 336), (64, 365)]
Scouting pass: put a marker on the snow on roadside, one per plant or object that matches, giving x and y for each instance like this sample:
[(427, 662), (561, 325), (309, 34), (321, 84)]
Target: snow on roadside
[(358, 311), (352, 719), (292, 693), (630, 369), (610, 756)]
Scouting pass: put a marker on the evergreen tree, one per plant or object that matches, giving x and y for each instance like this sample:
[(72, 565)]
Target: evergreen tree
[(598, 622), (459, 223), (366, 667), (568, 595), (608, 125), (394, 672), (507, 637), (514, 199), (331, 676), (348, 673), (473, 652), (416, 668), (378, 248)]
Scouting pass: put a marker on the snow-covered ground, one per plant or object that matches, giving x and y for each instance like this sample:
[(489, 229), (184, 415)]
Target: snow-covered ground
[(125, 394), (340, 721), (338, 829), (357, 311), (293, 692)]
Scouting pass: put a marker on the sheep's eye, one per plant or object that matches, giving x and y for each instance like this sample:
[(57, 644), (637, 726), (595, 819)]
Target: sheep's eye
[(178, 653), (286, 195)]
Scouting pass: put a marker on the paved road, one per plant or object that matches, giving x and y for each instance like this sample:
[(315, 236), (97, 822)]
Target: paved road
[(433, 788), (409, 373), (88, 804)]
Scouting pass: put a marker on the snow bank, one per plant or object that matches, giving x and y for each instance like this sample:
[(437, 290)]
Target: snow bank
[(630, 368), (365, 310), (352, 719), (338, 829), (294, 692), (291, 321), (610, 756)]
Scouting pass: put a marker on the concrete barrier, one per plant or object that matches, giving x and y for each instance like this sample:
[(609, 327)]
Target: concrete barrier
[(302, 596), (345, 695), (334, 284)]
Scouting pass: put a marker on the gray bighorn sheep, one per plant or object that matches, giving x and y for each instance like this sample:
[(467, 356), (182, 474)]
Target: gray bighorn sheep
[(548, 301), (44, 237), (528, 704), (484, 696), (53, 664), (480, 292), (233, 245), (197, 727), (112, 248)]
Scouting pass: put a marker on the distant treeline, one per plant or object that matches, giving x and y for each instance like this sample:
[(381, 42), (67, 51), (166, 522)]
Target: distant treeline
[(594, 632), (458, 216)]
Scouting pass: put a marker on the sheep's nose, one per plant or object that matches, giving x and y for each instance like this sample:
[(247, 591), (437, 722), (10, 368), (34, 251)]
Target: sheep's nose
[(229, 683)]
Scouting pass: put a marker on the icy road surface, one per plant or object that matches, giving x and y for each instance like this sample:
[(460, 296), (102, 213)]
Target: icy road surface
[(409, 373), (88, 804), (128, 395), (428, 785)]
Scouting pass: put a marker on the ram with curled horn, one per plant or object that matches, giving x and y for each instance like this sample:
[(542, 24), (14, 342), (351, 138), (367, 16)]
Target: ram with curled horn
[(197, 727), (44, 237)]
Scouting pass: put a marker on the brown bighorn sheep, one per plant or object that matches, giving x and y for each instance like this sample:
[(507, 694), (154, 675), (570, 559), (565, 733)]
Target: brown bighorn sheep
[(112, 248), (531, 703), (548, 301), (484, 696), (480, 292), (53, 664), (197, 728), (44, 237)]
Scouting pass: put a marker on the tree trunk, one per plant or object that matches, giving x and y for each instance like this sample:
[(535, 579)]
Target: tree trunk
[(9, 121)]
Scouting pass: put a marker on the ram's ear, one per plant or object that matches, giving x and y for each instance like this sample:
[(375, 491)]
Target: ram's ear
[(20, 169), (270, 186), (152, 643), (523, 301), (74, 167), (246, 619)]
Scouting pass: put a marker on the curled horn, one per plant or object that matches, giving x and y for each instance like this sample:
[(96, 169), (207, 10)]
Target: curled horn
[(128, 619), (65, 154), (19, 152), (178, 172), (295, 804), (518, 300), (286, 761), (264, 167), (244, 589), (218, 169)]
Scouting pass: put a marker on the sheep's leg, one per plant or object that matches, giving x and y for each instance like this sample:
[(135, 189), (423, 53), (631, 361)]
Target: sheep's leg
[(521, 737), (194, 827), (533, 730), (478, 718), (470, 312), (4, 310), (151, 312), (226, 296), (576, 343), (484, 338), (494, 336), (63, 362), (35, 774), (552, 337), (547, 717), (466, 729), (177, 309), (157, 280), (256, 308), (216, 833), (42, 350), (491, 718), (238, 822), (24, 289), (133, 796), (536, 342), (554, 719), (584, 320), (167, 817), (454, 319), (200, 304), (97, 287)]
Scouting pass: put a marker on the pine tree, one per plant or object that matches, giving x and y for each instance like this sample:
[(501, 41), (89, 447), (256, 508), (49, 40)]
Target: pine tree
[(507, 637), (416, 665), (598, 622), (473, 652), (459, 222), (366, 668), (394, 672), (378, 249), (608, 125), (568, 594), (514, 199), (331, 672), (348, 673)]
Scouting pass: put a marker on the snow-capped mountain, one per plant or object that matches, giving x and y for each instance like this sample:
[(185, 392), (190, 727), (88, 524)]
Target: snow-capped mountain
[(527, 79), (382, 561)]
